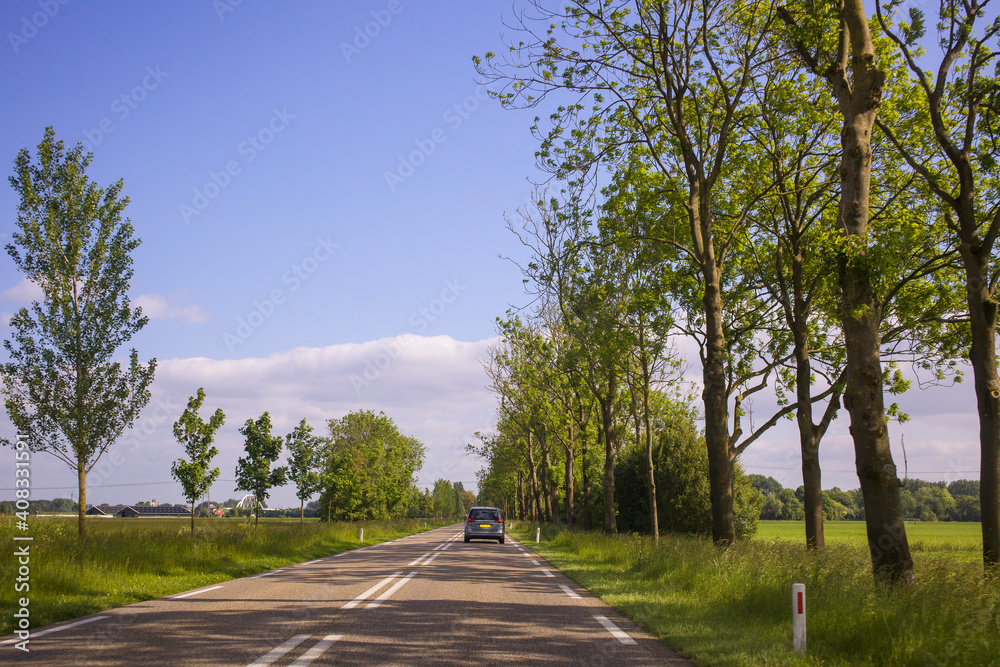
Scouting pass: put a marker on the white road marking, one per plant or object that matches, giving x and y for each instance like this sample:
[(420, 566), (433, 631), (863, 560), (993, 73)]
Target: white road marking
[(615, 631), (526, 554), (428, 561), (51, 630), (267, 574), (569, 591), (313, 561), (547, 573), (389, 591), (354, 603), (316, 651), (535, 562), (412, 563), (187, 595), (279, 651)]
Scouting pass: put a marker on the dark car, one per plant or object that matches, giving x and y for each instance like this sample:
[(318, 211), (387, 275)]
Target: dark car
[(484, 523)]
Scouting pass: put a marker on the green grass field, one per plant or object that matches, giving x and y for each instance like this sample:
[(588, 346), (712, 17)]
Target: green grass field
[(129, 560), (733, 607), (961, 540)]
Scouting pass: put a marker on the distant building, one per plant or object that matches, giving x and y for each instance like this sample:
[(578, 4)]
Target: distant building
[(134, 511)]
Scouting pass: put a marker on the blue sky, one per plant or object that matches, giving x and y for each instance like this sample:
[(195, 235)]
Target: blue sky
[(320, 190)]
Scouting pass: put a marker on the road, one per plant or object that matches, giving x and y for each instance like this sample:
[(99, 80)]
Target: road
[(423, 599)]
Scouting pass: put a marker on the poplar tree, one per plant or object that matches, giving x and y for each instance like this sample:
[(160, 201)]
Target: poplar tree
[(253, 472), (196, 435), (65, 392)]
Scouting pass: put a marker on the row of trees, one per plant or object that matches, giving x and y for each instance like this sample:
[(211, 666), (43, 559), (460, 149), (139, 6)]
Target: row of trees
[(920, 500), (364, 467), (797, 188), (586, 434)]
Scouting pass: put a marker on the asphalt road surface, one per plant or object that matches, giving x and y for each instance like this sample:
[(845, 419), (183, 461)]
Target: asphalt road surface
[(424, 599)]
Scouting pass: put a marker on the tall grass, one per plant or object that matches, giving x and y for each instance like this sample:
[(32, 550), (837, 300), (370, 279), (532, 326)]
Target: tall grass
[(733, 607), (130, 560)]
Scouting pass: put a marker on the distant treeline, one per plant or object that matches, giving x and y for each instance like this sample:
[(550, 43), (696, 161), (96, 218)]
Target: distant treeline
[(923, 501)]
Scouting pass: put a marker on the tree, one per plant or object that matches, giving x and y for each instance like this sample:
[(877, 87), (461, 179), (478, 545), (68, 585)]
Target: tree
[(63, 391), (369, 467), (303, 457), (196, 435), (952, 145), (253, 472), (857, 82)]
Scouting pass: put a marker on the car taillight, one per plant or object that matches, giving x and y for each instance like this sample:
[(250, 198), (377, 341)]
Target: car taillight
[(468, 520), (499, 520)]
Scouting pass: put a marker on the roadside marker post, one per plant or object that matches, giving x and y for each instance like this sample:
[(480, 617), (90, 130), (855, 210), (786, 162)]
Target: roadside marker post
[(362, 538), (538, 534), (799, 618)]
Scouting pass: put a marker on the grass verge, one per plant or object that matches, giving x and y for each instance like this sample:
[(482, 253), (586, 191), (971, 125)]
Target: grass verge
[(129, 560), (733, 607)]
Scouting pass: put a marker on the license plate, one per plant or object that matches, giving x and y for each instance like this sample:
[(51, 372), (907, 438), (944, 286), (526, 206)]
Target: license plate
[(485, 525)]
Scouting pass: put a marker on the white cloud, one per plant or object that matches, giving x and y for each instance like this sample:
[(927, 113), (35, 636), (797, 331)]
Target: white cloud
[(433, 388), (23, 292), (160, 307)]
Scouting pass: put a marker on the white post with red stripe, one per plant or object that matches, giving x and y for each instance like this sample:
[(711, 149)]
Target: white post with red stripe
[(538, 534), (799, 618)]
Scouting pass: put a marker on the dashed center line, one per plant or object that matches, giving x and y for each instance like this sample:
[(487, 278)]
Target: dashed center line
[(389, 592), (428, 561), (354, 603), (615, 631), (535, 562), (278, 651), (547, 573), (316, 651), (414, 562)]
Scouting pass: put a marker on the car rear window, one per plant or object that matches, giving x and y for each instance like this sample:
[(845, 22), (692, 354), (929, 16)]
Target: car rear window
[(484, 515)]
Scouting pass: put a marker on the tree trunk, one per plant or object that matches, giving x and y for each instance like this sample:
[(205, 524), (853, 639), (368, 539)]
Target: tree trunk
[(520, 495), (654, 521), (81, 478), (536, 501), (608, 425), (570, 454), (302, 511), (588, 519), (720, 456), (809, 437), (983, 315), (192, 519)]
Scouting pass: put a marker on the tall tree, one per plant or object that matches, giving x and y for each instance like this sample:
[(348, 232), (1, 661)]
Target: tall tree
[(853, 73), (253, 471), (949, 138), (63, 390), (196, 435), (304, 451)]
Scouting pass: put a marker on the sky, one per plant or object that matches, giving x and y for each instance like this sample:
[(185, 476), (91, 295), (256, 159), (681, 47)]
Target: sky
[(320, 189)]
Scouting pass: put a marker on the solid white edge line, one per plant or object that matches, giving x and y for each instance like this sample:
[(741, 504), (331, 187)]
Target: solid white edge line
[(428, 561), (354, 603), (412, 563), (51, 630), (267, 574), (389, 591), (535, 562), (569, 591), (278, 651), (318, 649), (615, 631), (547, 573), (187, 595)]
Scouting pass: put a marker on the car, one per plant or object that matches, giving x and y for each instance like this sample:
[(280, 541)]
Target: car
[(484, 523)]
